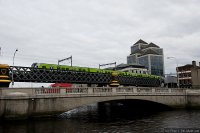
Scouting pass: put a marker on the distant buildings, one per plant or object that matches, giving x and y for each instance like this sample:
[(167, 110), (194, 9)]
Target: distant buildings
[(149, 55), (170, 81), (189, 75), (133, 68), (185, 76)]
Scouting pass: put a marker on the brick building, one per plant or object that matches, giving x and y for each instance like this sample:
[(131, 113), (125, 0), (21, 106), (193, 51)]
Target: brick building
[(189, 75)]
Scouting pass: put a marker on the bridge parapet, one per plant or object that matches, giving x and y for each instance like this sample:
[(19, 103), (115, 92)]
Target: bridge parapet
[(90, 91)]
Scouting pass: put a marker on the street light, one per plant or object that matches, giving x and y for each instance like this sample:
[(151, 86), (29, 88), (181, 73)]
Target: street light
[(13, 66), (176, 68)]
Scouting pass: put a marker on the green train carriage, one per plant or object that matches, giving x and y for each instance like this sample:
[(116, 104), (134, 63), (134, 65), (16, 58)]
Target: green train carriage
[(93, 70)]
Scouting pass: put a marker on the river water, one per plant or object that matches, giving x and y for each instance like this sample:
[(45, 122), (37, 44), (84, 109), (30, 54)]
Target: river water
[(89, 119)]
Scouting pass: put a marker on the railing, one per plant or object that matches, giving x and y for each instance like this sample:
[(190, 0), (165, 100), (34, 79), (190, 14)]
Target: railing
[(90, 91), (103, 90), (124, 90), (47, 91), (76, 90)]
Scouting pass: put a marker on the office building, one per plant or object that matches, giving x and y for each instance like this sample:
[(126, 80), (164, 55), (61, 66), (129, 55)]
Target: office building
[(149, 55)]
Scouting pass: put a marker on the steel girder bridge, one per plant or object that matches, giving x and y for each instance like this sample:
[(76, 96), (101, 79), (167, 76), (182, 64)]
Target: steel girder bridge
[(29, 74), (40, 75)]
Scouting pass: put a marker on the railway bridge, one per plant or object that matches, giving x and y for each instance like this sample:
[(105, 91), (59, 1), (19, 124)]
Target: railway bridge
[(29, 102), (43, 75)]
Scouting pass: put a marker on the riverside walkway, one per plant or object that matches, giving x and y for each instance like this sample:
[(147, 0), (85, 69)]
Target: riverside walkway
[(29, 102)]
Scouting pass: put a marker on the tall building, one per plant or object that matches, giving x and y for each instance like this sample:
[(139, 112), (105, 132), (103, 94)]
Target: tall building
[(149, 55)]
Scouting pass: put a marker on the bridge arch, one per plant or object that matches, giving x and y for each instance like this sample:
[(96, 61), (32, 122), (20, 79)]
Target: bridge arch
[(154, 101), (136, 104)]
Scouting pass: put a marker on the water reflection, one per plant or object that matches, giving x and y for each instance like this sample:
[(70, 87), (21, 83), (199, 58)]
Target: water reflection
[(89, 119)]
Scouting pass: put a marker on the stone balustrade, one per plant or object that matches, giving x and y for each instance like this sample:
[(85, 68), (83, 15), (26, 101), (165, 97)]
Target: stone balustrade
[(4, 92)]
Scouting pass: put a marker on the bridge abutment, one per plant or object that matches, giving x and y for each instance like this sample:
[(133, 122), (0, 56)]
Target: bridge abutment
[(193, 99)]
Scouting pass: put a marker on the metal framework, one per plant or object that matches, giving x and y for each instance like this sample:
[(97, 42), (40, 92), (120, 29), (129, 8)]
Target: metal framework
[(30, 74), (114, 63), (138, 81), (69, 58)]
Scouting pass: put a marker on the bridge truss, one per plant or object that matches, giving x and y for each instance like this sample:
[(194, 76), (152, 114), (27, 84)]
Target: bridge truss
[(30, 74)]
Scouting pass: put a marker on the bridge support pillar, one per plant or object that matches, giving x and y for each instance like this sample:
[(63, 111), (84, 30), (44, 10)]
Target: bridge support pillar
[(4, 75)]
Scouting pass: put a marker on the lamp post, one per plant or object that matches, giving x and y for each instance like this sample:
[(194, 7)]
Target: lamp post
[(13, 66), (176, 68)]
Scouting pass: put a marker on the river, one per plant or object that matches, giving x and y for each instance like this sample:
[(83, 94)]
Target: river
[(88, 119)]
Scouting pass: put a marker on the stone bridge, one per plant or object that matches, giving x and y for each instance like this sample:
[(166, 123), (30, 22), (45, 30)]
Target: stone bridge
[(28, 102)]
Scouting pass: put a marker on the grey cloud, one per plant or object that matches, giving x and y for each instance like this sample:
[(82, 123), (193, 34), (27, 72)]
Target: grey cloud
[(97, 31)]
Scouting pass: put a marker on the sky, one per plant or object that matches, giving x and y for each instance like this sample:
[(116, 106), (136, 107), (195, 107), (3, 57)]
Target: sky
[(96, 32)]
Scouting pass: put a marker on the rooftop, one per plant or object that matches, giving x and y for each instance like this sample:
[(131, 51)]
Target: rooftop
[(153, 45), (140, 41)]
